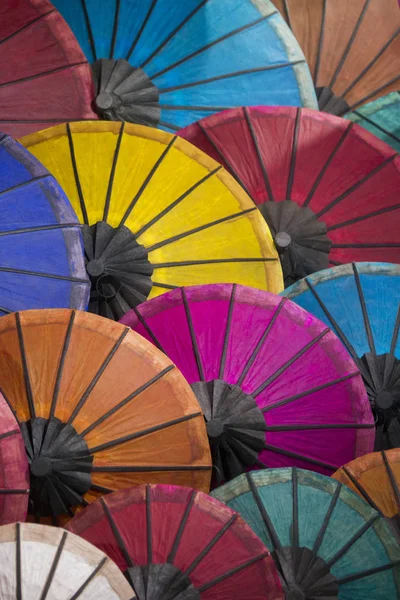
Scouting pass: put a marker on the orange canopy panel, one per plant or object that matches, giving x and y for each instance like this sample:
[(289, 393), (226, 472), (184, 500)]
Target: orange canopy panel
[(100, 409)]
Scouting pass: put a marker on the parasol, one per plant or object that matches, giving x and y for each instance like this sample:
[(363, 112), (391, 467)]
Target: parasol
[(14, 476), (381, 117), (99, 409), (276, 386), (41, 254), (328, 189), (178, 544), (157, 213), (44, 76), (168, 64), (46, 563), (326, 541), (376, 478), (352, 48), (361, 303)]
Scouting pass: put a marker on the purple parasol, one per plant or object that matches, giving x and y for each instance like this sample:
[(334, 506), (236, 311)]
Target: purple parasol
[(276, 386)]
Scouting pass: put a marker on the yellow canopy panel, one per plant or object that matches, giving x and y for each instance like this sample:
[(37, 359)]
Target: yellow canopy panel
[(159, 213)]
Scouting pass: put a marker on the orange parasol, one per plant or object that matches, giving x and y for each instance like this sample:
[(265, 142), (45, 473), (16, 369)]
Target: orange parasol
[(100, 409)]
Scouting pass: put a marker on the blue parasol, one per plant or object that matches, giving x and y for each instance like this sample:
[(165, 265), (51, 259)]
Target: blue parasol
[(361, 303), (41, 253), (327, 542), (157, 62)]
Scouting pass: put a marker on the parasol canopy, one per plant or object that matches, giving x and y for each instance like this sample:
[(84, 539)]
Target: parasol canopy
[(381, 117), (99, 409), (167, 64), (326, 541), (275, 385), (41, 254), (328, 189), (44, 76), (352, 48), (39, 562), (157, 213), (361, 303), (376, 478), (14, 473), (178, 544)]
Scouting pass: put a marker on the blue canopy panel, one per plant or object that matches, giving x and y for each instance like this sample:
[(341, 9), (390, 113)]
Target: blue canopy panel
[(41, 250), (200, 56), (334, 296), (382, 118)]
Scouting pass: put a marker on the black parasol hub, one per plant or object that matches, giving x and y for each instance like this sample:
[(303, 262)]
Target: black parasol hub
[(161, 582), (329, 102), (235, 427), (125, 93), (300, 238), (60, 467), (118, 268)]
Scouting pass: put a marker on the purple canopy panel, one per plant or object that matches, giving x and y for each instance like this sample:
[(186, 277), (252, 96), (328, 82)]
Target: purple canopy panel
[(276, 386)]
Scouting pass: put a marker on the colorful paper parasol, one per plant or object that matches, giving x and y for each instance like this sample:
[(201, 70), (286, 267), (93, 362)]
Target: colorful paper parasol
[(326, 541), (47, 563), (328, 189), (376, 478), (276, 386), (352, 48), (41, 254), (157, 213), (382, 118), (99, 408), (14, 473), (179, 544), (361, 303), (44, 76), (168, 64)]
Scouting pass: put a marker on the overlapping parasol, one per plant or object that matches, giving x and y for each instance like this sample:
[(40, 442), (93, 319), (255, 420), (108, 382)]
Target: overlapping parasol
[(376, 478), (47, 563), (44, 76), (352, 48), (326, 541), (276, 386), (381, 117), (157, 213), (41, 251), (328, 189), (361, 303), (179, 544), (99, 408), (167, 64)]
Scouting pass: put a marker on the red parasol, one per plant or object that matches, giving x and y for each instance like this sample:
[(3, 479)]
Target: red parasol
[(44, 75), (179, 544)]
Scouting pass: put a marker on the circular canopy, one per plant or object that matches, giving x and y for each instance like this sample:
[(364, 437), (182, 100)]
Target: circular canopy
[(41, 257), (14, 474), (328, 189), (170, 63), (361, 303), (38, 562), (276, 386), (157, 212), (376, 478), (44, 76), (352, 48), (326, 541), (99, 408), (176, 543), (381, 117)]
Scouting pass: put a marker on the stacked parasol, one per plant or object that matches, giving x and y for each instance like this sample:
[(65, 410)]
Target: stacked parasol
[(199, 299)]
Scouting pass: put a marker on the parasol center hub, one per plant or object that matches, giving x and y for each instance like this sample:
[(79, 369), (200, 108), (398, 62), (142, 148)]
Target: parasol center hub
[(295, 594), (41, 467), (95, 268), (104, 101), (384, 400), (215, 428), (283, 240)]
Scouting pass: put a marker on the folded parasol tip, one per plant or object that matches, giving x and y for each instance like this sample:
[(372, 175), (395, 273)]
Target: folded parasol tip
[(104, 101), (384, 399), (95, 267), (283, 240), (40, 467)]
